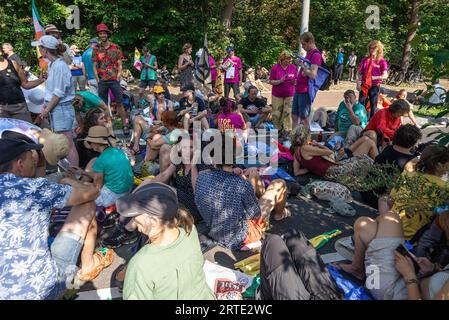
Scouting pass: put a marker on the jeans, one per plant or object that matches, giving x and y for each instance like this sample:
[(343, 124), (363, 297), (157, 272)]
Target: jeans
[(235, 88), (373, 95), (93, 86), (114, 85)]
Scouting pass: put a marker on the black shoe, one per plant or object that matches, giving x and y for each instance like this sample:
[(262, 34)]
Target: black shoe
[(120, 237), (111, 220)]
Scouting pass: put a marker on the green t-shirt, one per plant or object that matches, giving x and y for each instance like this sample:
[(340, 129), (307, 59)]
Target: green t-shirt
[(117, 172), (91, 101), (148, 73), (173, 136), (173, 272), (344, 120)]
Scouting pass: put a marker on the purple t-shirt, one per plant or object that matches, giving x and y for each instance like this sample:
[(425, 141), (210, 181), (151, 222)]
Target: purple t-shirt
[(230, 121), (213, 71), (378, 68), (302, 82), (286, 88), (232, 73)]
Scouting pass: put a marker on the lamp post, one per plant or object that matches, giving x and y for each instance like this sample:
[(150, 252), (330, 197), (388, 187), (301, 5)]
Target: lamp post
[(304, 21)]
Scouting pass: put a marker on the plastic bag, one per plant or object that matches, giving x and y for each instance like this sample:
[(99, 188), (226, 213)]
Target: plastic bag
[(350, 290)]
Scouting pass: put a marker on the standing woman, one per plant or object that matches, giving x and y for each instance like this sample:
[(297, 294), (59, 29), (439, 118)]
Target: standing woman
[(59, 92), (12, 100), (282, 78), (148, 76), (372, 70), (185, 66)]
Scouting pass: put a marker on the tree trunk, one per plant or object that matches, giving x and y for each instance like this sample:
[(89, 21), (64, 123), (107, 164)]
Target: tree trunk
[(413, 26), (226, 16)]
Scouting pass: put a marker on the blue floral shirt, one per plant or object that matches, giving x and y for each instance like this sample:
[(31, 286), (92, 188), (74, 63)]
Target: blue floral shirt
[(27, 270), (226, 202)]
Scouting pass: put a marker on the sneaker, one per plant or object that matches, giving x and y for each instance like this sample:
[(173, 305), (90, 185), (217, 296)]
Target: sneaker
[(111, 220), (121, 237)]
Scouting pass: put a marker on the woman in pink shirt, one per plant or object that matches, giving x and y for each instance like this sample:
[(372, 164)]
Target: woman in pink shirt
[(232, 66), (282, 78), (372, 70), (213, 72), (229, 118), (302, 105)]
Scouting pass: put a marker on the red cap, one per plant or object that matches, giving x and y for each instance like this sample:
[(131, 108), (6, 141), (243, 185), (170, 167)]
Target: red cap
[(103, 27)]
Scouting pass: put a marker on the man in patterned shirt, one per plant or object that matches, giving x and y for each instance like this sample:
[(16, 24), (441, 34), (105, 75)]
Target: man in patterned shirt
[(227, 200), (29, 269), (107, 65)]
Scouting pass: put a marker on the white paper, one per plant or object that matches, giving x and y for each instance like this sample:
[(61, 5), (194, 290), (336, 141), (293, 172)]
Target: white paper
[(230, 73), (214, 271), (315, 127)]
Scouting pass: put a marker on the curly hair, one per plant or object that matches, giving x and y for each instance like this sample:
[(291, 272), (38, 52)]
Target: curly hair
[(300, 136), (431, 157), (380, 48), (91, 119)]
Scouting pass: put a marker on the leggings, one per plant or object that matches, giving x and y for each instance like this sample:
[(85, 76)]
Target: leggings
[(291, 269), (373, 95)]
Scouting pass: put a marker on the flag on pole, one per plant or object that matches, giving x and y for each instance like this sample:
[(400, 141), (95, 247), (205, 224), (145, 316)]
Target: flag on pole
[(38, 32), (137, 62), (202, 69)]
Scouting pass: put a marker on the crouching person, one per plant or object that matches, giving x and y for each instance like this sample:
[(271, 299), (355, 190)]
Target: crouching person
[(31, 269), (111, 172), (170, 266)]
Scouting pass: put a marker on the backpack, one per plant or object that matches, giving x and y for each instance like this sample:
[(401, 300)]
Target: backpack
[(326, 84)]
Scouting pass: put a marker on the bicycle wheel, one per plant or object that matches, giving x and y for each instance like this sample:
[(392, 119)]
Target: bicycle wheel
[(399, 78)]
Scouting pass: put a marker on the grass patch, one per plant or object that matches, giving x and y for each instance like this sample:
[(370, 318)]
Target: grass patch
[(432, 111)]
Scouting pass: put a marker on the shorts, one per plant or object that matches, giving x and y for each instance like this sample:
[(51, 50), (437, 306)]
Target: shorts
[(147, 83), (62, 117), (302, 106), (65, 251), (114, 85), (107, 197)]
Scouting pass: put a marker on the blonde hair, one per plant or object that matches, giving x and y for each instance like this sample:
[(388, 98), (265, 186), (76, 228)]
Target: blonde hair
[(284, 54), (307, 37), (186, 46), (379, 46), (300, 136)]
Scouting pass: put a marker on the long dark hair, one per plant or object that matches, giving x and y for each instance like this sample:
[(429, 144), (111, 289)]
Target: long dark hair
[(227, 106), (91, 119), (431, 157)]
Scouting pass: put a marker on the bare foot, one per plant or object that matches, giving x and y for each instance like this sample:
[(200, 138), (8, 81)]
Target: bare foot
[(349, 268)]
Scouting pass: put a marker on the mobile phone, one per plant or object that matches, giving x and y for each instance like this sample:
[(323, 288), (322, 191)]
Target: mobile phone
[(406, 253), (64, 164)]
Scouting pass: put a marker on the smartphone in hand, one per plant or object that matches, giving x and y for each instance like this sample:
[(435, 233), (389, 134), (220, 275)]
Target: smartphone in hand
[(406, 253)]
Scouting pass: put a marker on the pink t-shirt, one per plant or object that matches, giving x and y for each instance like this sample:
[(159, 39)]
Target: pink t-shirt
[(230, 121), (302, 82), (213, 71), (378, 68), (233, 77), (286, 88)]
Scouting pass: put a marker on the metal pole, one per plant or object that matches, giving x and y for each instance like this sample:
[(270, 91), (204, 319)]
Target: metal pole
[(304, 21)]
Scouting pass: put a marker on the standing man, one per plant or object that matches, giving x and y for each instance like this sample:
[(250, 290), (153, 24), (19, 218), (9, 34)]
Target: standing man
[(339, 66), (91, 82), (302, 105), (77, 68), (51, 30), (148, 76), (232, 65), (108, 69), (10, 55), (352, 61)]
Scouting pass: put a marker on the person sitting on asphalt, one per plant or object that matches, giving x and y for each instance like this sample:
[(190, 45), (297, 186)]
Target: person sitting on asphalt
[(111, 172), (31, 270), (399, 154), (385, 122), (351, 118), (310, 156), (402, 95), (416, 210), (254, 108), (192, 109), (227, 200), (376, 242), (230, 119), (162, 138), (170, 265), (94, 117), (143, 122), (85, 101)]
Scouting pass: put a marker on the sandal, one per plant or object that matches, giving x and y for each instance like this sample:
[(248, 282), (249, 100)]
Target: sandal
[(287, 213), (105, 257)]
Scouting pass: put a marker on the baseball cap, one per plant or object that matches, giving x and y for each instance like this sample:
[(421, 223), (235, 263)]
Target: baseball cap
[(11, 148), (48, 42), (230, 49), (155, 199)]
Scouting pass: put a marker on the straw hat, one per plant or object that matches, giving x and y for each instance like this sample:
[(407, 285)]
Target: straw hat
[(56, 146), (100, 135)]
